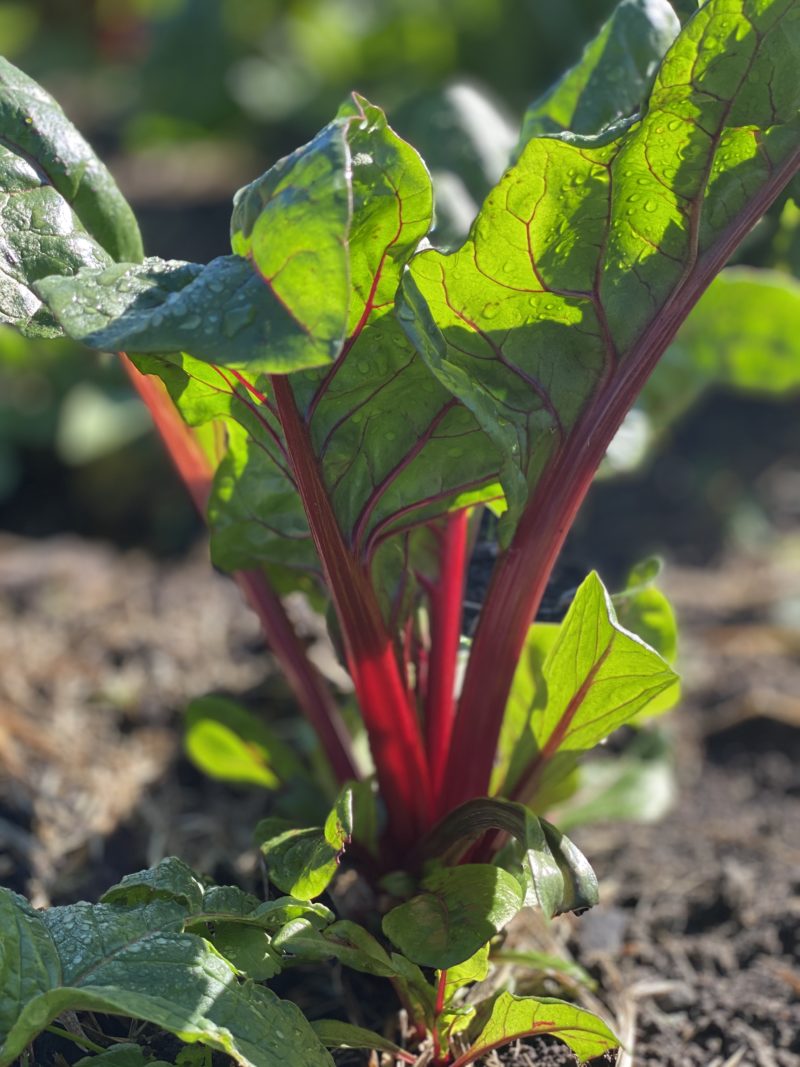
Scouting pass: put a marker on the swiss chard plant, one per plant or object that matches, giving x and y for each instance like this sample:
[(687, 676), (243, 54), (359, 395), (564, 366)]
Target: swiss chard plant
[(343, 400)]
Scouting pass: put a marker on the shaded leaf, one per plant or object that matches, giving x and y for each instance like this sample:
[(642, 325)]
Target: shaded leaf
[(515, 1017), (459, 910), (345, 941), (335, 1034), (248, 950), (613, 77)]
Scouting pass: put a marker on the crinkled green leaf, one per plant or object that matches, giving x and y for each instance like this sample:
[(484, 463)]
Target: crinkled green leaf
[(589, 252), (459, 910), (335, 1034), (513, 1018), (136, 962), (613, 77), (598, 677), (39, 235), (36, 129), (228, 742), (221, 313), (302, 862), (170, 879)]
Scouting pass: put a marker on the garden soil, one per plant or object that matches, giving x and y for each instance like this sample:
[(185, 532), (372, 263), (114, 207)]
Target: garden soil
[(694, 947)]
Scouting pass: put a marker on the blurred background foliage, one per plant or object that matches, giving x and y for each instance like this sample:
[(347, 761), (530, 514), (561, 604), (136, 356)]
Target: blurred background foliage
[(187, 100)]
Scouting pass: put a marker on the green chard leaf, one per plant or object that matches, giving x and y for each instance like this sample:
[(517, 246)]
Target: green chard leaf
[(302, 862), (515, 1017), (613, 77), (459, 910), (597, 677), (588, 254), (345, 941), (170, 879), (136, 961)]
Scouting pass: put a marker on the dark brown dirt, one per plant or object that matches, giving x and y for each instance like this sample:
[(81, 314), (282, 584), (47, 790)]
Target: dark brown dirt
[(695, 943)]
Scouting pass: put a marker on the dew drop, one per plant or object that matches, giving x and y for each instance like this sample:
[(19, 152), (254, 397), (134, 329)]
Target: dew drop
[(650, 205), (190, 322), (363, 367), (673, 124), (455, 453), (490, 310)]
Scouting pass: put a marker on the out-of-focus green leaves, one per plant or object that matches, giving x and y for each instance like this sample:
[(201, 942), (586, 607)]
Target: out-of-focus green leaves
[(614, 76), (226, 741)]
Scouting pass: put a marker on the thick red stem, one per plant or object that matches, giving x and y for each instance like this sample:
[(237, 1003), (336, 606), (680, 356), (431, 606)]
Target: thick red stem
[(389, 715), (197, 475), (446, 601)]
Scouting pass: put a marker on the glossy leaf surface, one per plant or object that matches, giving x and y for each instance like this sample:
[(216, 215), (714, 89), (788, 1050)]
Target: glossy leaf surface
[(598, 676), (135, 961), (36, 129)]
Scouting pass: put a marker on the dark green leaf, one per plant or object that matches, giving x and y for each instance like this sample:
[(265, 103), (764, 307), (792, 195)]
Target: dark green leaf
[(335, 1034), (135, 961), (514, 1017), (170, 879), (589, 252), (459, 910), (121, 1056), (39, 235), (614, 75), (303, 861), (36, 130)]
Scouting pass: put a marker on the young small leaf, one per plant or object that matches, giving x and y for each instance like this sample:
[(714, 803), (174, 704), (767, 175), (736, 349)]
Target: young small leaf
[(598, 677), (459, 910), (302, 862), (475, 969), (345, 941), (515, 1017)]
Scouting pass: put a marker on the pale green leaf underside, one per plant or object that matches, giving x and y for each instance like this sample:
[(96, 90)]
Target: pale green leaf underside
[(136, 962), (517, 1017), (613, 77), (584, 250)]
